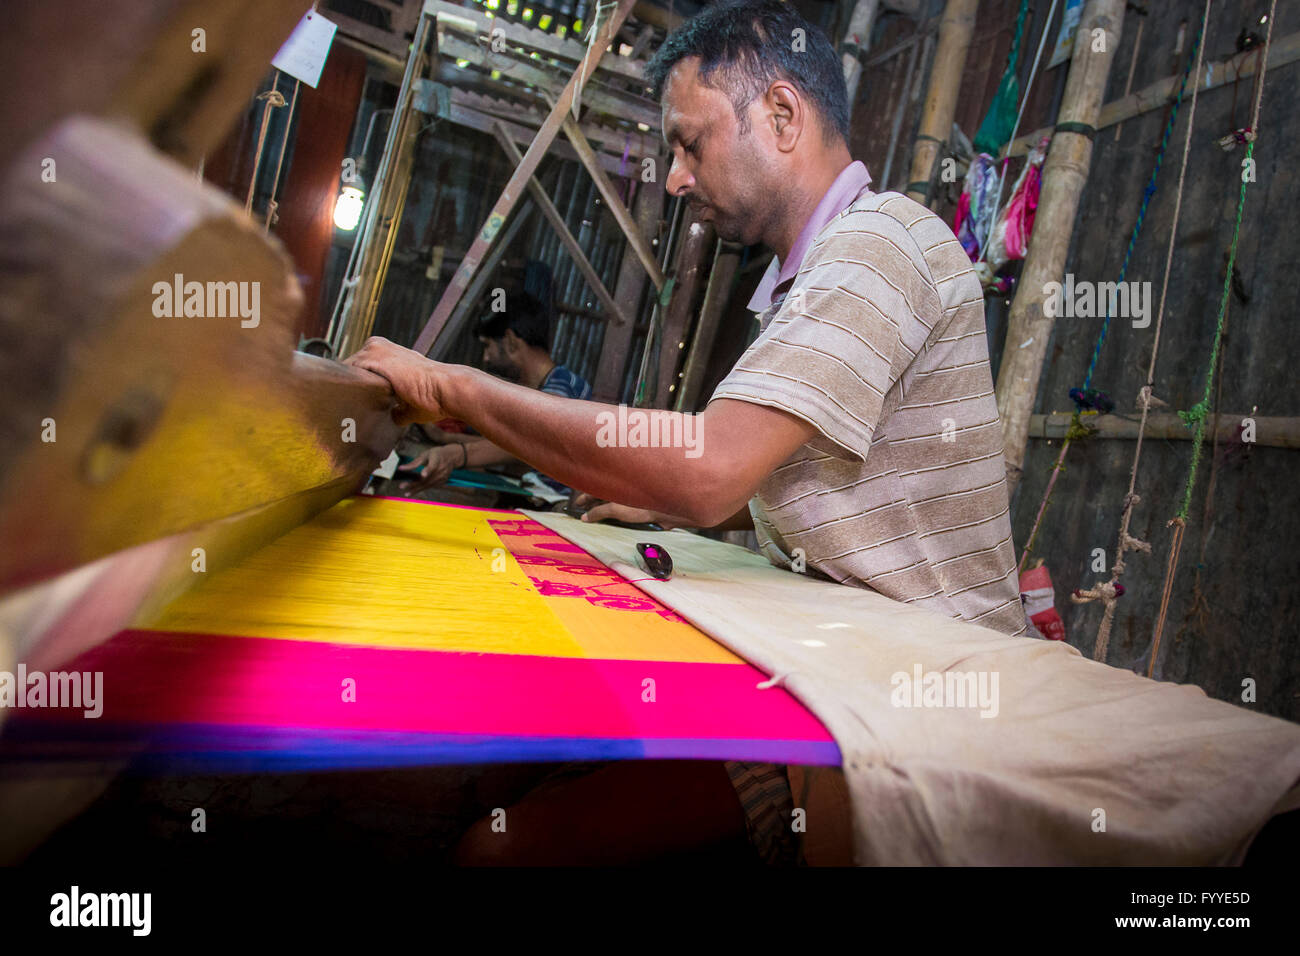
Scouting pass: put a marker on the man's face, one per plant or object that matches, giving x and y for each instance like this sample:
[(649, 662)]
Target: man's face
[(498, 358), (727, 174)]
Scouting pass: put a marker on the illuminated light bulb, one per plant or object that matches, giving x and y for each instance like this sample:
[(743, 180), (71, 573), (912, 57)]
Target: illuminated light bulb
[(347, 208)]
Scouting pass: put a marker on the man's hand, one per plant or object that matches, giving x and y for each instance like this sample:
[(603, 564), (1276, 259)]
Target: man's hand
[(594, 510), (432, 467), (416, 380)]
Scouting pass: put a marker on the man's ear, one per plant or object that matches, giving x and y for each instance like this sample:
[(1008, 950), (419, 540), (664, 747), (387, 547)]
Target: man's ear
[(787, 114), (510, 342)]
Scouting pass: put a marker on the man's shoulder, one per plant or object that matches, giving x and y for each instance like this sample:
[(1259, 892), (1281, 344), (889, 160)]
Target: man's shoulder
[(567, 383), (915, 230), (892, 214)]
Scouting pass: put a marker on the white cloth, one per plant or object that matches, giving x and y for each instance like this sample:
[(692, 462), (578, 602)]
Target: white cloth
[(1173, 776)]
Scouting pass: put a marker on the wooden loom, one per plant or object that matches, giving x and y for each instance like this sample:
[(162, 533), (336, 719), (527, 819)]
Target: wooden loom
[(174, 490), (145, 455)]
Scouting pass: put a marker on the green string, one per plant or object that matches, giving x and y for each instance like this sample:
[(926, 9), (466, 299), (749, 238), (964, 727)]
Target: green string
[(1195, 416)]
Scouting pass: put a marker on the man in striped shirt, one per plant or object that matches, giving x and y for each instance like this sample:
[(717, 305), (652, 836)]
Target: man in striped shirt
[(858, 435)]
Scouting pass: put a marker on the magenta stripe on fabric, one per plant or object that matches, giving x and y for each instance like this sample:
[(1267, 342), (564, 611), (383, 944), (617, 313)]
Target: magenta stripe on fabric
[(162, 678)]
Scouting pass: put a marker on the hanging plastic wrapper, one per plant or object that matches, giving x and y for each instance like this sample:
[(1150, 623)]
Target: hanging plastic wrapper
[(1039, 599)]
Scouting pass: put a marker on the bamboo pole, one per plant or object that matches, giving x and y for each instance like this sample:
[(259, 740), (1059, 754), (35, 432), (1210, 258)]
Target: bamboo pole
[(955, 31), (372, 269), (1276, 432), (857, 37), (1065, 173)]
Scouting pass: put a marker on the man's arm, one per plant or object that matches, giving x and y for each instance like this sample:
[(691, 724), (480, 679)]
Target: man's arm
[(736, 443), (742, 520)]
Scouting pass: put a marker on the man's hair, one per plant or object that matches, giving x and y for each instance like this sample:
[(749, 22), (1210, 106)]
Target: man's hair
[(752, 43), (524, 315)]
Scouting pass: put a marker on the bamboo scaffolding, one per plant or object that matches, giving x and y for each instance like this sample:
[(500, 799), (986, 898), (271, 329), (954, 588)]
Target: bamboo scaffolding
[(1065, 174), (516, 186), (955, 31), (556, 221)]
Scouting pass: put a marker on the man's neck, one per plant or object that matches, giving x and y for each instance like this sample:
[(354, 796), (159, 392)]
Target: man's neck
[(536, 368), (812, 186)]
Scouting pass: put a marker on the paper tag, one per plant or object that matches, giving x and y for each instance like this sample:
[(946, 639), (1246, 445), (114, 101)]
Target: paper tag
[(388, 467), (1065, 37), (303, 54)]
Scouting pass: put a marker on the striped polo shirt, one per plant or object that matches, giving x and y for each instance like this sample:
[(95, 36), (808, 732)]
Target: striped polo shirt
[(879, 343)]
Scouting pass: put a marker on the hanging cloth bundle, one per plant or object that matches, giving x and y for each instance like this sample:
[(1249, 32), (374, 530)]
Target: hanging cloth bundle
[(1010, 237), (976, 206), (999, 121)]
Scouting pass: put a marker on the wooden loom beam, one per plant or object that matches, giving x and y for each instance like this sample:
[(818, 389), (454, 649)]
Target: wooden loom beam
[(391, 203), (516, 185), (629, 288), (692, 253), (624, 107), (141, 64), (721, 278), (146, 413), (466, 110)]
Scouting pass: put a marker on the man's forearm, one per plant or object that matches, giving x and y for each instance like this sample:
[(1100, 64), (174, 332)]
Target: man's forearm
[(560, 437)]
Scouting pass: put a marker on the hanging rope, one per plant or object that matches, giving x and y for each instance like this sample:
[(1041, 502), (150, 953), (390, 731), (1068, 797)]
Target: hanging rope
[(1126, 541), (272, 98), (1077, 429), (1198, 615), (1196, 415), (271, 204)]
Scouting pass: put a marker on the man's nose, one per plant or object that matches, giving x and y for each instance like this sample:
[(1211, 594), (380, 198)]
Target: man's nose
[(680, 181)]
